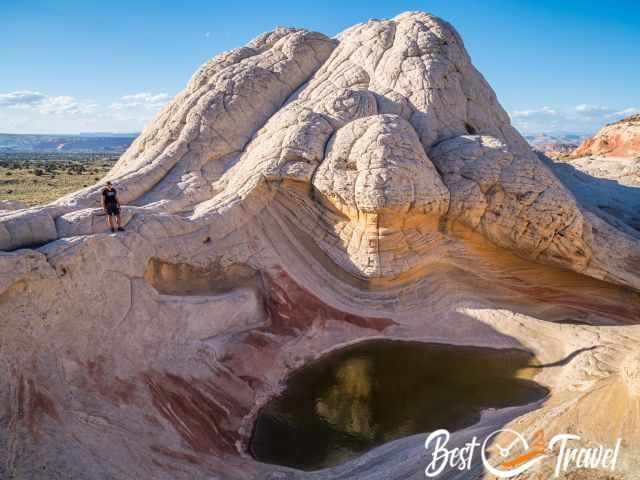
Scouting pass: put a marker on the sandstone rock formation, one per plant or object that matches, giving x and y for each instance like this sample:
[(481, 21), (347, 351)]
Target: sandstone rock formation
[(608, 185), (303, 193), (619, 139), (8, 205)]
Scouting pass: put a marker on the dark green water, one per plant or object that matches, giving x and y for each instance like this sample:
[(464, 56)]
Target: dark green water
[(368, 394)]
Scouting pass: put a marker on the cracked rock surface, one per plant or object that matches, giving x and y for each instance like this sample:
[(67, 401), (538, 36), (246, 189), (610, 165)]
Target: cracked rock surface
[(300, 194)]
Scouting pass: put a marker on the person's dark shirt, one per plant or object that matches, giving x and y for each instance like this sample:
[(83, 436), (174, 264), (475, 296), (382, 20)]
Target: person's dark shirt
[(109, 196)]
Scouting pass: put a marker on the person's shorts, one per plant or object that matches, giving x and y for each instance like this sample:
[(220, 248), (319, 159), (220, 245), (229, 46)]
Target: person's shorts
[(113, 210)]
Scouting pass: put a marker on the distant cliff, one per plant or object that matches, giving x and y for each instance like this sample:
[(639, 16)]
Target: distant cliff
[(90, 142), (555, 145)]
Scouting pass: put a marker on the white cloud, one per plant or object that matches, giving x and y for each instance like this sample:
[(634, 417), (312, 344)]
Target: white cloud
[(31, 112), (66, 105), (147, 100), (592, 110), (627, 112), (56, 105), (583, 118), (146, 97), (36, 101), (539, 112), (22, 98)]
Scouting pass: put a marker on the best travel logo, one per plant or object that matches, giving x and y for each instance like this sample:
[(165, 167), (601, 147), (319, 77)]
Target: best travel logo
[(506, 453)]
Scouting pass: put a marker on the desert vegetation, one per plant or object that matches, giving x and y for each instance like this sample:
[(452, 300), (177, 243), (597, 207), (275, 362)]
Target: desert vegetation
[(38, 178)]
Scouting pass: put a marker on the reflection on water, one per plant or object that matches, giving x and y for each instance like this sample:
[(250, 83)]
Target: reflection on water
[(365, 395)]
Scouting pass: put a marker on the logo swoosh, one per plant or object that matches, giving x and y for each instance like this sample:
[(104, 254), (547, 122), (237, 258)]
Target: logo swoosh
[(520, 463)]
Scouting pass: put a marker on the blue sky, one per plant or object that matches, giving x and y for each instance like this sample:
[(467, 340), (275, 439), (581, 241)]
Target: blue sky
[(70, 66)]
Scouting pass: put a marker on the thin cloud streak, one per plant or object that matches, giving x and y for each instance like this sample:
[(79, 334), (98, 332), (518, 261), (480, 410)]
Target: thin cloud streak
[(582, 118), (26, 111)]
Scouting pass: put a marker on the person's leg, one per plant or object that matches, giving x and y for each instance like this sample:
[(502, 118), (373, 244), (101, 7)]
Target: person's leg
[(118, 220), (110, 221)]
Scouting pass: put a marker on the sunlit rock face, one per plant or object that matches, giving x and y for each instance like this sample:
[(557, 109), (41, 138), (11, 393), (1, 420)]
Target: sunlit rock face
[(383, 197), (303, 193), (618, 139)]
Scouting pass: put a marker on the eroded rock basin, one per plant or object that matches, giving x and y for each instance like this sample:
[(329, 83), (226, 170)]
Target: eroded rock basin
[(365, 395)]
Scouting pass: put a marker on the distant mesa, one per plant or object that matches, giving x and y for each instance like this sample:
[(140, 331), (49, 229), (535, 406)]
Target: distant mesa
[(83, 142), (555, 145)]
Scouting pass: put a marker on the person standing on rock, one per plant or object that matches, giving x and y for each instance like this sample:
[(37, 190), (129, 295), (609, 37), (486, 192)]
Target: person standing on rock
[(111, 206)]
